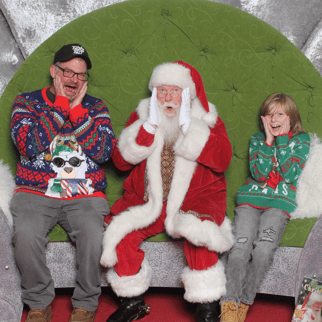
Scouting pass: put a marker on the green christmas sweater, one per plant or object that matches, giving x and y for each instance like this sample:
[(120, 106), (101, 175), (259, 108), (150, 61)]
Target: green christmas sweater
[(266, 188)]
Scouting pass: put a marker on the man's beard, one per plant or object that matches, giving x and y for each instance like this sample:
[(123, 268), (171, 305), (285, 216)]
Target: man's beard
[(169, 125)]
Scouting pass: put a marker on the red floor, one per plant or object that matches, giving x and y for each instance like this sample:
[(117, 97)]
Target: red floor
[(167, 305)]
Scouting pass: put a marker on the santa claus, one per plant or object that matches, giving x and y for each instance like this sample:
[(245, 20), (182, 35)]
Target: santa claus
[(177, 149), (310, 310)]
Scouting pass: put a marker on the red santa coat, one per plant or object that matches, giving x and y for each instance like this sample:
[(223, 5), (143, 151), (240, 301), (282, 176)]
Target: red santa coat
[(198, 184)]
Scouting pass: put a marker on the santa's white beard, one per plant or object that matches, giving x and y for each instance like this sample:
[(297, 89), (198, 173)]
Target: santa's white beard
[(169, 124)]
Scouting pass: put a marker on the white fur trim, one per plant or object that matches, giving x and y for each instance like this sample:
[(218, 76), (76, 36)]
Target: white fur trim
[(210, 118), (191, 145), (309, 185), (149, 128), (129, 149), (183, 172), (143, 109), (172, 74), (137, 217), (7, 186), (206, 285), (129, 286), (206, 233)]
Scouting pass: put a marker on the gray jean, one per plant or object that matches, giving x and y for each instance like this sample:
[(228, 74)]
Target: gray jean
[(33, 218), (258, 232)]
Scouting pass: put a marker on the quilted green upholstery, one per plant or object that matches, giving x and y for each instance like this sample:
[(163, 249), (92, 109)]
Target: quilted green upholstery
[(240, 58)]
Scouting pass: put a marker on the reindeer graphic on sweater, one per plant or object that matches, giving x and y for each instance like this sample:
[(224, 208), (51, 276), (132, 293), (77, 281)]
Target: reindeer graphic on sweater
[(69, 162)]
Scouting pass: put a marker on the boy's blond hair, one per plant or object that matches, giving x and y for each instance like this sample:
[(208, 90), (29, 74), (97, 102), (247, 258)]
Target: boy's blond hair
[(290, 108)]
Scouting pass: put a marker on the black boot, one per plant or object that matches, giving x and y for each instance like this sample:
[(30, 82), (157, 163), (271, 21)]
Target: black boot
[(207, 312), (131, 309)]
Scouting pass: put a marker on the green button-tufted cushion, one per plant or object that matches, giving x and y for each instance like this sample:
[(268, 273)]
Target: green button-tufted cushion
[(240, 58)]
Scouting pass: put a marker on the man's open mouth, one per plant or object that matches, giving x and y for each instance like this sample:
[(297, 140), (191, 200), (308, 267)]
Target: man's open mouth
[(71, 88)]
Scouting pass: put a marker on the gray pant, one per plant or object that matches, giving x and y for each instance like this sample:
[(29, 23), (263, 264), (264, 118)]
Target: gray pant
[(258, 232), (33, 218)]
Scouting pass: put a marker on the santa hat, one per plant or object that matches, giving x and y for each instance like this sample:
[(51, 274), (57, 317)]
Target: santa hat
[(314, 297), (182, 75)]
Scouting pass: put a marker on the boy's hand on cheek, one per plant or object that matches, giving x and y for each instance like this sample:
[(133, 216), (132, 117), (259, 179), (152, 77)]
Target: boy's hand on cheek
[(268, 133), (286, 127)]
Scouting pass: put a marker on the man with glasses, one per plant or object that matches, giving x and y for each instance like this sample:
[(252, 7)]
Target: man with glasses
[(63, 136), (177, 149)]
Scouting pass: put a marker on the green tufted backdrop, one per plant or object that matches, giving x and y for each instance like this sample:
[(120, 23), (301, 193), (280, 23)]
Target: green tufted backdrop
[(240, 58)]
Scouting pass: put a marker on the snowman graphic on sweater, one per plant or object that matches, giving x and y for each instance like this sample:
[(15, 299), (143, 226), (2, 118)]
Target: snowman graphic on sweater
[(69, 162)]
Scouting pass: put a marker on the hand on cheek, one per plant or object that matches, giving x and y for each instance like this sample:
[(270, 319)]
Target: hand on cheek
[(286, 126), (79, 96), (58, 86), (268, 133)]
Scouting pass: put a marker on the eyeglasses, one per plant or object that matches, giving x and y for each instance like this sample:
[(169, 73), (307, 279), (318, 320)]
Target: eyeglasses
[(70, 74), (162, 92), (60, 162)]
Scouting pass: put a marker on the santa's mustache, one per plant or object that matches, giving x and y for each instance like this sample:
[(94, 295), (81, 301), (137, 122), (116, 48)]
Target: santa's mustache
[(171, 104)]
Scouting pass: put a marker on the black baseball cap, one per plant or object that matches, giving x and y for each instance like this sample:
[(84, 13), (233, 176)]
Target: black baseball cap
[(68, 52)]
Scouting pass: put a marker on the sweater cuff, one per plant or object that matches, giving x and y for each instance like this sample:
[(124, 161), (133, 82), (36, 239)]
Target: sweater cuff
[(77, 112), (149, 128), (63, 103)]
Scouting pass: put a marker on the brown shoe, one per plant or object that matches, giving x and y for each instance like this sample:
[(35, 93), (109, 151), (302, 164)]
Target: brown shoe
[(40, 315), (81, 315), (242, 312), (229, 312)]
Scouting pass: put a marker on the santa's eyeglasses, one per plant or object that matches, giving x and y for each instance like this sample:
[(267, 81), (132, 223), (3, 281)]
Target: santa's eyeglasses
[(60, 162), (162, 92)]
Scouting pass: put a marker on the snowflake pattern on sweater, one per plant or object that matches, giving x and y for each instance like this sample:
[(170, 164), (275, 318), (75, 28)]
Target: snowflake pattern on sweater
[(36, 123), (290, 155)]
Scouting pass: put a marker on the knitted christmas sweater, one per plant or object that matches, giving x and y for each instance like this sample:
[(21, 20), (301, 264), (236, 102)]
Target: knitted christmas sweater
[(61, 150), (268, 189)]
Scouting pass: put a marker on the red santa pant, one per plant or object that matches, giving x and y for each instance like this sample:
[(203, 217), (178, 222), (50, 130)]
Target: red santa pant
[(130, 255)]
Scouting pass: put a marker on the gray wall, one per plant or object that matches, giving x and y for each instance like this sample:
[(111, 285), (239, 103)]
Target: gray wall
[(25, 24)]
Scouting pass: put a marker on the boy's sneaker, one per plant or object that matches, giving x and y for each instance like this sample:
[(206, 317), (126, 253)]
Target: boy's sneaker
[(229, 312)]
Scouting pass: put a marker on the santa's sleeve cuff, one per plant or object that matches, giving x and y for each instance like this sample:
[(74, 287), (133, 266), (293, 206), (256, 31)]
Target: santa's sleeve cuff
[(149, 128)]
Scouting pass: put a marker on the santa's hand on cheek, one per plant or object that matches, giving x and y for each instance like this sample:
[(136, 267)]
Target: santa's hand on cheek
[(152, 122), (185, 111)]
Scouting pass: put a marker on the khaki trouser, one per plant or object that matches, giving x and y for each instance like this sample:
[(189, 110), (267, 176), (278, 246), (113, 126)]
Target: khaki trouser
[(34, 216)]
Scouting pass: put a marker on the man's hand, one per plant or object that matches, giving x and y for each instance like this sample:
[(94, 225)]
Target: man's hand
[(185, 111), (153, 119), (79, 96), (58, 86)]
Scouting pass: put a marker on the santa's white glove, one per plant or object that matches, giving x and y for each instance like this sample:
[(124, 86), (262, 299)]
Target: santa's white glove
[(153, 118), (185, 111)]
